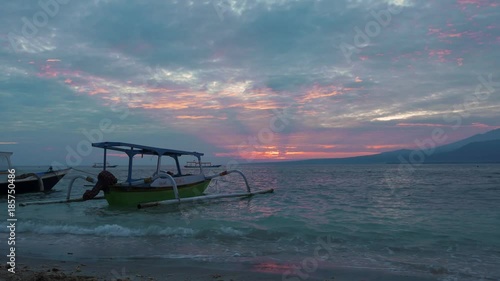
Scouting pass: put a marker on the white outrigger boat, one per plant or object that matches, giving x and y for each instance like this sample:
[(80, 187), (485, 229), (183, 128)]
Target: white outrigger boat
[(162, 188)]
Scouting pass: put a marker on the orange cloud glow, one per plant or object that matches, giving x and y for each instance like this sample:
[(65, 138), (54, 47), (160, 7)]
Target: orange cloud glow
[(195, 117), (327, 146), (162, 105), (290, 155), (99, 91), (320, 92)]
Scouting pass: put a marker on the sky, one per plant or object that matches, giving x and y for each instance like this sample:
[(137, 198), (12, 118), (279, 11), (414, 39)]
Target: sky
[(245, 81)]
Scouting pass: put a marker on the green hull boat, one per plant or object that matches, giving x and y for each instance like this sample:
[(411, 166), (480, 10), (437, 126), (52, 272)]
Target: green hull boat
[(132, 196), (163, 187)]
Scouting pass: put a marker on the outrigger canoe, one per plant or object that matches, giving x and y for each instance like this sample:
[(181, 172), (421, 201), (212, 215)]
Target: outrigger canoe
[(196, 164), (27, 182), (162, 187), (159, 186)]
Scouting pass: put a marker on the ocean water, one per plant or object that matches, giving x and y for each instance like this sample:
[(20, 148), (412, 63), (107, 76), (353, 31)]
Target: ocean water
[(440, 221)]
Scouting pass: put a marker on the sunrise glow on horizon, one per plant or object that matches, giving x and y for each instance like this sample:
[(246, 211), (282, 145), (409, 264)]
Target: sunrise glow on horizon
[(247, 80)]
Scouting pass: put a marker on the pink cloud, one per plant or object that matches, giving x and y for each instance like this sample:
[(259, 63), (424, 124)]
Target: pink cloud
[(440, 54), (386, 146)]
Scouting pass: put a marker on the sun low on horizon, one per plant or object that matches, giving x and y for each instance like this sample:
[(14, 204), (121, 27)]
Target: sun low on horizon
[(262, 80)]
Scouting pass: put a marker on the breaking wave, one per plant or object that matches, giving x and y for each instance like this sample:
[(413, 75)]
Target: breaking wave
[(103, 230)]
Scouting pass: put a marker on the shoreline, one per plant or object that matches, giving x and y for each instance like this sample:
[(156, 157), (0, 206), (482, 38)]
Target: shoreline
[(41, 269)]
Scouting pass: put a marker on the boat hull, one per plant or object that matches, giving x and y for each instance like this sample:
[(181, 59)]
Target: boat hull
[(31, 184), (131, 196), (197, 167)]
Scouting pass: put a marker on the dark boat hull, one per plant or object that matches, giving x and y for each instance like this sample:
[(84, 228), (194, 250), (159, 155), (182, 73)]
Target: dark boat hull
[(31, 184)]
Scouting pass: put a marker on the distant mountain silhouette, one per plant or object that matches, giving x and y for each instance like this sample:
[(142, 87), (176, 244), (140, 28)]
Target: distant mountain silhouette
[(480, 148), (476, 152), (382, 158), (491, 135)]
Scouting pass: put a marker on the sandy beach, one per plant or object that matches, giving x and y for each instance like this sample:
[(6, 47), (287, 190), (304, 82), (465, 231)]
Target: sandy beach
[(33, 269), (41, 270)]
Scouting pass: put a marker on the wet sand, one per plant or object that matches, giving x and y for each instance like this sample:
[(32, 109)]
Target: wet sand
[(34, 269)]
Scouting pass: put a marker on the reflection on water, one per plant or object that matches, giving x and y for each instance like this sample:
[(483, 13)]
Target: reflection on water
[(442, 215)]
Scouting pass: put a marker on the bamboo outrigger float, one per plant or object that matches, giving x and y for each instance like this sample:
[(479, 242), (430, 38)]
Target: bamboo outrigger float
[(162, 188)]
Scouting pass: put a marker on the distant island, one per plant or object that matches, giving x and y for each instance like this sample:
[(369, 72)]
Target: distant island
[(480, 148)]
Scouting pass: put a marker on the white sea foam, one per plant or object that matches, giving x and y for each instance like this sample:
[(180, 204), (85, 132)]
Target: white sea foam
[(103, 230), (231, 231)]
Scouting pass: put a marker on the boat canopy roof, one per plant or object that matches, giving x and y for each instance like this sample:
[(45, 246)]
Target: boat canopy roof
[(133, 149)]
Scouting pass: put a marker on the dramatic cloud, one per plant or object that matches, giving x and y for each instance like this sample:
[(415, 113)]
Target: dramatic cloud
[(261, 79)]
